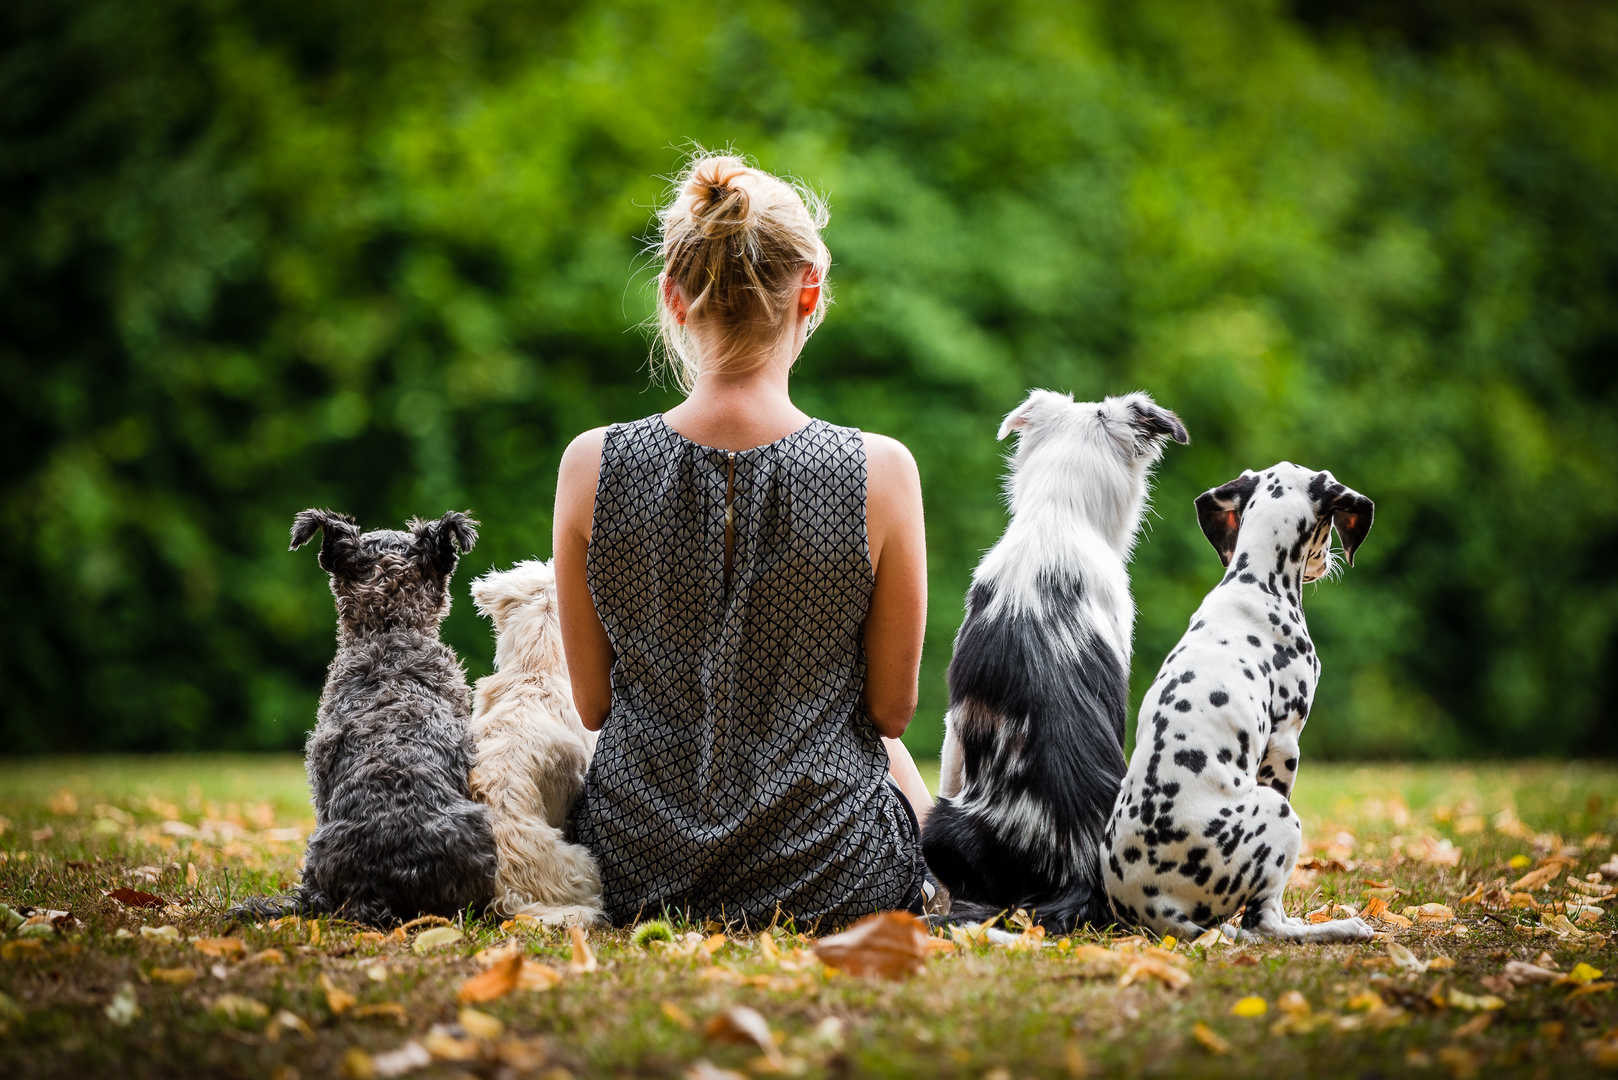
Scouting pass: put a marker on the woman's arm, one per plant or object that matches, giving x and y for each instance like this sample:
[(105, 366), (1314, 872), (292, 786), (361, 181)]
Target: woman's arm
[(897, 618), (584, 639)]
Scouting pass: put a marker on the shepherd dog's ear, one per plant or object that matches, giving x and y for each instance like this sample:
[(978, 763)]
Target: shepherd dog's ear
[(442, 542), (340, 531), (1219, 512), (1351, 512), (1155, 422)]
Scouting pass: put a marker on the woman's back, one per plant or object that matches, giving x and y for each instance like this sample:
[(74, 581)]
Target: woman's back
[(737, 769)]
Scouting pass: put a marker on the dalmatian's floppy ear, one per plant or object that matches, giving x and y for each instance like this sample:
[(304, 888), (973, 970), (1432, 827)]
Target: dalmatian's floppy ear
[(1351, 514), (339, 533), (1219, 512), (442, 542), (1156, 422)]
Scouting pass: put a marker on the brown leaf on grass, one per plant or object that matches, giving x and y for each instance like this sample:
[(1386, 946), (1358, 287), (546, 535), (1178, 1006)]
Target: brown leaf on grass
[(288, 1021), (584, 960), (1293, 1003), (480, 1025), (442, 1044), (1155, 967), (1540, 878), (219, 947), (537, 976), (269, 957), (1518, 973), (1375, 908), (239, 1008), (1210, 1042), (1588, 888), (356, 1064), (1462, 1064), (338, 1000), (1430, 913), (496, 954), (370, 937), (136, 899), (1590, 988), (382, 1010), (498, 981), (739, 1024), (892, 945)]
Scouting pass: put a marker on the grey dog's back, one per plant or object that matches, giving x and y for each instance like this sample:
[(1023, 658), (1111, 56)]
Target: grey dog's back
[(396, 832)]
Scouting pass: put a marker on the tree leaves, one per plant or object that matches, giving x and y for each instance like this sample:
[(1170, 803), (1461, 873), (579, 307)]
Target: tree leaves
[(892, 945)]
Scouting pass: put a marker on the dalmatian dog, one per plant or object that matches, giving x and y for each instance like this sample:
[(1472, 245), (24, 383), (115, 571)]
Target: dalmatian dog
[(1203, 827)]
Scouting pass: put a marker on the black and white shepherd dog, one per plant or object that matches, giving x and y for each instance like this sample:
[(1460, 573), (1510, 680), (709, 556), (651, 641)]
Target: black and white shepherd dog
[(1039, 683)]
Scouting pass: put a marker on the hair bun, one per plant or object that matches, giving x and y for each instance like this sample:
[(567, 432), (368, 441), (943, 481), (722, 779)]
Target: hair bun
[(720, 206)]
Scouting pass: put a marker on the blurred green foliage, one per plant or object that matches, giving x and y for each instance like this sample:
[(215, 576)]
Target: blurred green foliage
[(260, 255)]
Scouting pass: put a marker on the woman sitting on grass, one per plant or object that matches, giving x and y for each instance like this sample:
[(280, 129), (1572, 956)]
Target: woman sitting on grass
[(742, 592)]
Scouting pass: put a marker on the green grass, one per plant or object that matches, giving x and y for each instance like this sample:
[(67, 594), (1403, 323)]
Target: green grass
[(977, 1012)]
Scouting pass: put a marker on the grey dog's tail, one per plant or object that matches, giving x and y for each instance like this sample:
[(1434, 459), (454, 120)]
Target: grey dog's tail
[(304, 900)]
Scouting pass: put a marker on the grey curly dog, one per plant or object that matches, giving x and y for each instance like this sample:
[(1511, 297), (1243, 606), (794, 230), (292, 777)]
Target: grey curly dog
[(396, 831)]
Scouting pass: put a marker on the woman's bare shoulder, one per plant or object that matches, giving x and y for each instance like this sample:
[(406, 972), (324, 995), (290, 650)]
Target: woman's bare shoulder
[(890, 468), (582, 458), (576, 479)]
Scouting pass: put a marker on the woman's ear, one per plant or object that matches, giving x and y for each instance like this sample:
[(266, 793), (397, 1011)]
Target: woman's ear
[(1219, 512), (673, 299), (809, 295)]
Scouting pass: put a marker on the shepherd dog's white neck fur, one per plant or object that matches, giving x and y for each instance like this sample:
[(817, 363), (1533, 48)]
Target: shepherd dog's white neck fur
[(1076, 489)]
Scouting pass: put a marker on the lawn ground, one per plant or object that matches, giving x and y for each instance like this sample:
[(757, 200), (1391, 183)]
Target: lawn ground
[(112, 994)]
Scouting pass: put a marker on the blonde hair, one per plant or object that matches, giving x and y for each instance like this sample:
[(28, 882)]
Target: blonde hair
[(736, 241)]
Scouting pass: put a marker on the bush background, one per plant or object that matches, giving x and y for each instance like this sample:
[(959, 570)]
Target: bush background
[(257, 255)]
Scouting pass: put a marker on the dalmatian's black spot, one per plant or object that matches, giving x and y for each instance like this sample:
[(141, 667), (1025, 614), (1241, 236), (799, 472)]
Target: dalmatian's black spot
[(1286, 810), (1280, 787), (1249, 674), (1222, 886), (1202, 915), (1131, 854), (1247, 579), (1150, 890), (1218, 698), (1183, 705), (1225, 755), (1241, 561), (1252, 639), (1279, 859), (1275, 620), (1179, 736), (1165, 867), (1191, 760), (1117, 870), (1291, 764), (1170, 790), (1194, 629), (1151, 912)]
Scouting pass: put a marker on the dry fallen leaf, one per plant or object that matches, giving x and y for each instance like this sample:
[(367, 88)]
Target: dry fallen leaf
[(356, 1064), (1210, 1042), (239, 1008), (219, 947), (1538, 879), (1474, 1003), (1581, 973), (337, 999), (497, 953), (442, 1044), (269, 957), (1375, 908), (384, 1010), (1293, 1003), (286, 1020), (496, 982), (739, 1024), (583, 959), (480, 1025), (703, 1069), (1155, 967), (1431, 913), (1404, 959), (891, 945), (537, 976), (160, 933), (136, 899), (1474, 1026), (1250, 1007), (432, 939), (179, 976), (678, 1015)]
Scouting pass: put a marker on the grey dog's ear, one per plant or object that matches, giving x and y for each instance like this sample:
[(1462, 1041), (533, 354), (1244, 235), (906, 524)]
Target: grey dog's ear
[(1156, 422), (1219, 512), (1351, 512), (339, 531), (445, 540)]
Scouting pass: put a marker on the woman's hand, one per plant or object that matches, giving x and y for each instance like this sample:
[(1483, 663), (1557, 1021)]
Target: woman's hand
[(584, 639), (897, 618)]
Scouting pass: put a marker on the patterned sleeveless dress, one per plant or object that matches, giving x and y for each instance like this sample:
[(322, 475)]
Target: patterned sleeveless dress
[(737, 773)]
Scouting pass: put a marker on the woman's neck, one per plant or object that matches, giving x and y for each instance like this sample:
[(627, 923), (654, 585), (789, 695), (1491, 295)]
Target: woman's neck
[(739, 411)]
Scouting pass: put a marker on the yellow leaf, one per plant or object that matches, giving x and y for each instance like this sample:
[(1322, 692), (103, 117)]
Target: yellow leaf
[(219, 946), (1519, 861), (1168, 943), (191, 875), (1250, 1007), (338, 1000), (480, 1025), (432, 939), (239, 1008), (767, 949), (1210, 1042), (385, 1010), (583, 959), (678, 1015), (1582, 973), (1477, 1003), (1366, 1001), (356, 1065), (180, 975), (314, 932), (1074, 1060)]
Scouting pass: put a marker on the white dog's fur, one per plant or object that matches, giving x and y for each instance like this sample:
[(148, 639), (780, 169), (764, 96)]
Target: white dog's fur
[(1039, 683), (1204, 824), (532, 752)]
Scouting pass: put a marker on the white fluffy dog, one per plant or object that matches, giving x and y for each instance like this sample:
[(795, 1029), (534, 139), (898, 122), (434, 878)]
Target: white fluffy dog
[(532, 752)]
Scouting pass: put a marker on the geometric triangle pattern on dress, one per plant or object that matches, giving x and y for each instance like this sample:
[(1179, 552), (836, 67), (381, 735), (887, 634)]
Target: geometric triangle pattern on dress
[(737, 773)]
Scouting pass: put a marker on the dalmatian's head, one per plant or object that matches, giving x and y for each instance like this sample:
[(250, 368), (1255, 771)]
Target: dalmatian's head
[(1091, 456), (388, 577), (1288, 508)]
